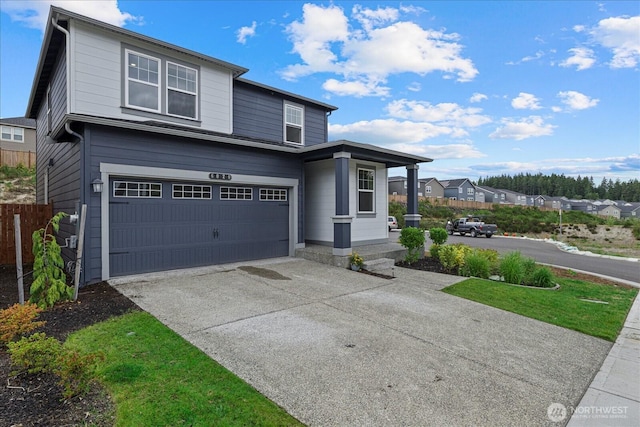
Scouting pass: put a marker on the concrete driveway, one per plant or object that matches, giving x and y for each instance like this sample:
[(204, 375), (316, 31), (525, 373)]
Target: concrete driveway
[(339, 348)]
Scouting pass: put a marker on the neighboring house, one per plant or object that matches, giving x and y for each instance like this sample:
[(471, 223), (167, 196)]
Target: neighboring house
[(490, 195), (17, 134), (629, 210), (398, 185), (430, 187), (182, 163), (558, 202), (586, 206), (513, 197), (459, 189), (536, 201), (612, 211)]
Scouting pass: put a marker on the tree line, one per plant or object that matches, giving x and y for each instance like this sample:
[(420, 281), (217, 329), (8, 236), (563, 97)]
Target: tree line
[(555, 185)]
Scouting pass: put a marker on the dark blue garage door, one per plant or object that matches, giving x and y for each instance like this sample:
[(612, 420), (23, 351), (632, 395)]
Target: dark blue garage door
[(160, 225)]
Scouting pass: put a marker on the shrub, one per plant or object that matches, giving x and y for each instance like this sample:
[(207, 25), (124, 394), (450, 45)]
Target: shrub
[(18, 320), (453, 256), (36, 353), (636, 231), (438, 235), (476, 265), (434, 251), (48, 286), (413, 239), (542, 277), (356, 260), (76, 371), (512, 268)]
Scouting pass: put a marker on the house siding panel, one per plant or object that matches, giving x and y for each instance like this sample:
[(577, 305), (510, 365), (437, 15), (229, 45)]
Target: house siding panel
[(367, 228), (141, 149), (98, 79), (320, 203)]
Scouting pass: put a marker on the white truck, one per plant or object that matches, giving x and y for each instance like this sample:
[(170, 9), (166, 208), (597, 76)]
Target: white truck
[(472, 226)]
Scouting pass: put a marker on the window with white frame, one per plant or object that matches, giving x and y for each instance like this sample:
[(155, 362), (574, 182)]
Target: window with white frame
[(293, 124), (366, 190), (273, 194), (152, 190), (460, 190), (143, 81), (182, 91), (190, 191), (236, 193), (470, 199), (469, 191), (502, 197), (13, 134), (427, 189)]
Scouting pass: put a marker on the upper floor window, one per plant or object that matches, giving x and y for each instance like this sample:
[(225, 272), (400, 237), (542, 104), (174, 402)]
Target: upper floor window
[(293, 124), (460, 190), (469, 190), (182, 90), (143, 81), (427, 189), (366, 182), (12, 133)]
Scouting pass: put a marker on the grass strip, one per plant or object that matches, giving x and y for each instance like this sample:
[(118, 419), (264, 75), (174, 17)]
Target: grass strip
[(156, 378), (565, 307)]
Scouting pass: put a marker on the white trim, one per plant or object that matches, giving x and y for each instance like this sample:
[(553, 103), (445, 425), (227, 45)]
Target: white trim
[(286, 123), (127, 80), (168, 88), (108, 169)]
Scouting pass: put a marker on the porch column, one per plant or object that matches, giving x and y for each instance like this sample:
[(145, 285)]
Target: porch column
[(342, 220), (412, 218)]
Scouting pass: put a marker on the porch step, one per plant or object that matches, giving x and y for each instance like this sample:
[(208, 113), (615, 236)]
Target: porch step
[(379, 264)]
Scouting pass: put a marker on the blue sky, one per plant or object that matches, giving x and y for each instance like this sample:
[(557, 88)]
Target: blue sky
[(483, 88)]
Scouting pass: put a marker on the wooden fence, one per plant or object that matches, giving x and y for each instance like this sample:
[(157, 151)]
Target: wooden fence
[(32, 218), (13, 158)]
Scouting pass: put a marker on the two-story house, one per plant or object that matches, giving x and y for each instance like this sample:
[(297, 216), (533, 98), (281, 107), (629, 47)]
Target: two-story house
[(558, 203), (183, 163), (17, 141), (431, 187), (459, 189), (536, 201)]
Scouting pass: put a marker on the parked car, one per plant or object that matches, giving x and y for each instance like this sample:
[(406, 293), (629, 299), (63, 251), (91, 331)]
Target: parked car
[(474, 226), (393, 224)]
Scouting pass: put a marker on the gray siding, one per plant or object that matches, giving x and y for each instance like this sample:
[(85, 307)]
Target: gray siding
[(58, 92), (258, 114), (397, 187), (154, 150)]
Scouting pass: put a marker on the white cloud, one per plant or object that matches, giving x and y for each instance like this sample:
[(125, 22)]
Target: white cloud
[(447, 114), (244, 32), (582, 58), (388, 131), (525, 101), (371, 46), (414, 87), (355, 88), (620, 34), (34, 13), (528, 127), (440, 152), (539, 54), (478, 97), (576, 100)]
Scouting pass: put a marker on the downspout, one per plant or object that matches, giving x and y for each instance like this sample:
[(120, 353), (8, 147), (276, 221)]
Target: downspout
[(67, 127), (54, 22)]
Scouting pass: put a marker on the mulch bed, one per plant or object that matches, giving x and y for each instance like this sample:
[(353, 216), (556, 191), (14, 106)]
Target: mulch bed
[(36, 400)]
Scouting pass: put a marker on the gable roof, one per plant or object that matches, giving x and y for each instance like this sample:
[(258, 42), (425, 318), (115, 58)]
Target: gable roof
[(454, 183), (54, 40)]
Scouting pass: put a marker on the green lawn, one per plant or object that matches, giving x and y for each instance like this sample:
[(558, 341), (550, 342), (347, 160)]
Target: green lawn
[(564, 307), (156, 378)]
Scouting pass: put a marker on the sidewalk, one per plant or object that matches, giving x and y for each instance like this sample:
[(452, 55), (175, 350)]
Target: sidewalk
[(613, 398)]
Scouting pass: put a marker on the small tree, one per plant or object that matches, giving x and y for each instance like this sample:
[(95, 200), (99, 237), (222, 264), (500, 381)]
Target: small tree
[(438, 235), (413, 239), (49, 281)]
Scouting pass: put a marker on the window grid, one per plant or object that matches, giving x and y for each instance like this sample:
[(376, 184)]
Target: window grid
[(151, 190), (189, 191), (273, 194), (182, 90), (143, 85), (11, 133), (293, 121), (366, 190), (427, 189), (469, 190), (236, 193)]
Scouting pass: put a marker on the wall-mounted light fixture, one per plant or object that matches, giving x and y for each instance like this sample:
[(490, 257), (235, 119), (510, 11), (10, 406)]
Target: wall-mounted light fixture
[(97, 185)]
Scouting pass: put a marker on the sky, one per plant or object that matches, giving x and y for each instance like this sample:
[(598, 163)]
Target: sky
[(484, 88)]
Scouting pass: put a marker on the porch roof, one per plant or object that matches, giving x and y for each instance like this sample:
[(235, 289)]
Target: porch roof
[(360, 151)]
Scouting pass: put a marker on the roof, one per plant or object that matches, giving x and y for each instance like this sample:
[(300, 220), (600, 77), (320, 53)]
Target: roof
[(397, 178), (54, 40), (328, 107), (19, 121), (358, 150), (453, 183)]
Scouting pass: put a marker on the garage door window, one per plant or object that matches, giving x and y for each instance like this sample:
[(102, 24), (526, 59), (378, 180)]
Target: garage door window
[(188, 191), (137, 189), (236, 193), (273, 194)]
